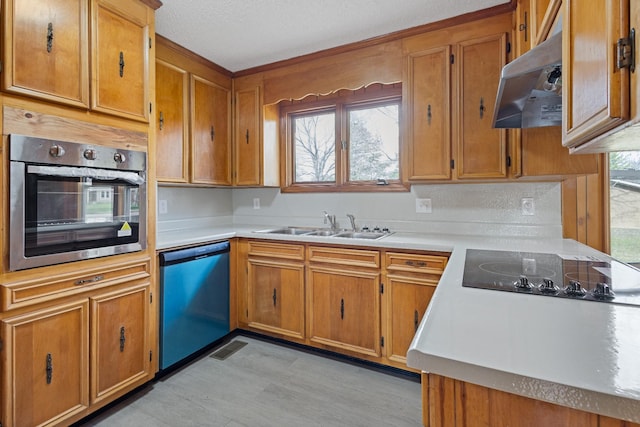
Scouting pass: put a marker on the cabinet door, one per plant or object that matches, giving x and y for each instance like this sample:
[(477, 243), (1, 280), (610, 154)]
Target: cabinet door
[(119, 345), (344, 309), (481, 149), (45, 371), (46, 50), (276, 296), (248, 150), (210, 133), (120, 58), (408, 300), (172, 132), (595, 95), (429, 93)]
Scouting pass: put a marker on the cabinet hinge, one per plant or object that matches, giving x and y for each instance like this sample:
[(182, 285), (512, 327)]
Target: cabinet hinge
[(150, 297), (150, 108), (452, 164), (626, 51), (382, 288), (150, 43), (509, 46), (452, 58), (344, 145), (381, 341), (508, 161), (150, 355)]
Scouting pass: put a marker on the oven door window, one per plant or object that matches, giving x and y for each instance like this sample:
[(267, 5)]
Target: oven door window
[(64, 214)]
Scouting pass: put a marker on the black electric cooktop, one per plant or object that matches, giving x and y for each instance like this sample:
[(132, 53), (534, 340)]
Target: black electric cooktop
[(561, 276)]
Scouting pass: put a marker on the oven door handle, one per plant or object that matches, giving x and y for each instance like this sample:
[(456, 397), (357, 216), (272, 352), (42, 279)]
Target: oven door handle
[(83, 172)]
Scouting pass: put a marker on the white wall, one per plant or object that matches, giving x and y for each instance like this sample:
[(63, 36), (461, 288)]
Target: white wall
[(479, 209)]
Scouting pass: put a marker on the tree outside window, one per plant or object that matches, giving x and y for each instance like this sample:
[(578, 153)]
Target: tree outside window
[(346, 145)]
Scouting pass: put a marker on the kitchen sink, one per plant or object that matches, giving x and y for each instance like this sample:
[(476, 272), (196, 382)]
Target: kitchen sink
[(325, 232)]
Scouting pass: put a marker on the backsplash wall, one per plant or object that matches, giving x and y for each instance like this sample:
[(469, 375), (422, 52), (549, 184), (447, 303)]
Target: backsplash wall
[(470, 209)]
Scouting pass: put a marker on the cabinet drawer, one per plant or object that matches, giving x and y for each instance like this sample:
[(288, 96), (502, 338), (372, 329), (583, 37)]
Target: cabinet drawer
[(27, 292), (414, 263), (340, 256), (276, 250)]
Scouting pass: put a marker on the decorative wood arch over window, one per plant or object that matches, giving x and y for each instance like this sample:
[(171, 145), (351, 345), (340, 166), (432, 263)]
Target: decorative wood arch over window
[(348, 140)]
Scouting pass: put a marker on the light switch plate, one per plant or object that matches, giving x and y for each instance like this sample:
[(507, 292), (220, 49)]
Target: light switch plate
[(423, 206), (162, 207)]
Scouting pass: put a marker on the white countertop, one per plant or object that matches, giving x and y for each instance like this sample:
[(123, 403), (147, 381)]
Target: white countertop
[(580, 354)]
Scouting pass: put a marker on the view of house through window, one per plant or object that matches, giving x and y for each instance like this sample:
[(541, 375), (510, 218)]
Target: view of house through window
[(624, 202)]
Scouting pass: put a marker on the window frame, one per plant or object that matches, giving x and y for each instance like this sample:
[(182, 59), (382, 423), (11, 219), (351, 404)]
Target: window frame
[(340, 103)]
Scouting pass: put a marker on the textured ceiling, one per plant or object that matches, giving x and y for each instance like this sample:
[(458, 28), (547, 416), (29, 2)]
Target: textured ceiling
[(241, 34)]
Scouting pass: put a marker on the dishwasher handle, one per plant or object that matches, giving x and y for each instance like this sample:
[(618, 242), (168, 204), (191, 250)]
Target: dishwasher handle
[(189, 254)]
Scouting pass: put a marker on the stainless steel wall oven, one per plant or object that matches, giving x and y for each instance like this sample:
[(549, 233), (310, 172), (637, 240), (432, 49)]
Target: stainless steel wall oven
[(71, 201)]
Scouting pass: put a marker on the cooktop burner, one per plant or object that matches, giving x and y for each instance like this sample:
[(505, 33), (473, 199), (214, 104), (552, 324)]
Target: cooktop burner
[(564, 276)]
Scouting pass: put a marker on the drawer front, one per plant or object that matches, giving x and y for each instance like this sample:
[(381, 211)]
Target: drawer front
[(415, 263), (276, 250), (28, 292), (346, 257)]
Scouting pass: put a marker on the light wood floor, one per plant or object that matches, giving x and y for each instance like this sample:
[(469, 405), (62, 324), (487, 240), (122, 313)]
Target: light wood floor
[(265, 384)]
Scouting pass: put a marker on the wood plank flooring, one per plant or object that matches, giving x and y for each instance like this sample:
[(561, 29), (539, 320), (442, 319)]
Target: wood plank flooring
[(265, 384)]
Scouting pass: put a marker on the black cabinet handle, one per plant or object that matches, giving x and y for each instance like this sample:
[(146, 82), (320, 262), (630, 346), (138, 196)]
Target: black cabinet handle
[(342, 309), (161, 120), (247, 136), (49, 368), (213, 133), (482, 107), (429, 113), (122, 339), (275, 297), (416, 320), (49, 37), (121, 64)]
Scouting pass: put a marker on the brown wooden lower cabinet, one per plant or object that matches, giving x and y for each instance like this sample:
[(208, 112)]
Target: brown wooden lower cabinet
[(360, 301), (452, 403), (47, 352), (63, 360)]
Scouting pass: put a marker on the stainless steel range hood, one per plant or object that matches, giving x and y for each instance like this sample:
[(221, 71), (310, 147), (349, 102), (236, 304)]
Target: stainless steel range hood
[(529, 94)]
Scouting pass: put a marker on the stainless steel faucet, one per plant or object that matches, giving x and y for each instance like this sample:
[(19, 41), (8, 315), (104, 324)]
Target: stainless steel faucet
[(331, 219), (352, 218)]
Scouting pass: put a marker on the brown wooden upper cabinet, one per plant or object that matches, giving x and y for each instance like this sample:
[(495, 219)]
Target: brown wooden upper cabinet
[(596, 86), (452, 79), (256, 153), (193, 123), (46, 54)]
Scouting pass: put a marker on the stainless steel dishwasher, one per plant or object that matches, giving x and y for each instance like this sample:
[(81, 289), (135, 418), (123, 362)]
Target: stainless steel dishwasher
[(194, 300)]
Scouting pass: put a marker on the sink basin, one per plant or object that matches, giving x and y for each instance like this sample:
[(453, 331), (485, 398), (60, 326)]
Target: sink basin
[(323, 233), (296, 231), (361, 235)]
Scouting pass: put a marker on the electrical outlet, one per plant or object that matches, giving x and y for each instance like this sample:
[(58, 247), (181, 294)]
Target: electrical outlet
[(162, 207), (256, 203), (528, 206), (423, 205)]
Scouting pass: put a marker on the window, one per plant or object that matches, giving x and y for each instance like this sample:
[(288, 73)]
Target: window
[(348, 141), (624, 206)]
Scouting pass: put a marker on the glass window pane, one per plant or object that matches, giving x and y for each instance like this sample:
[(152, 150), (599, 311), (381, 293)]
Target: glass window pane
[(624, 202), (314, 148), (374, 143)]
